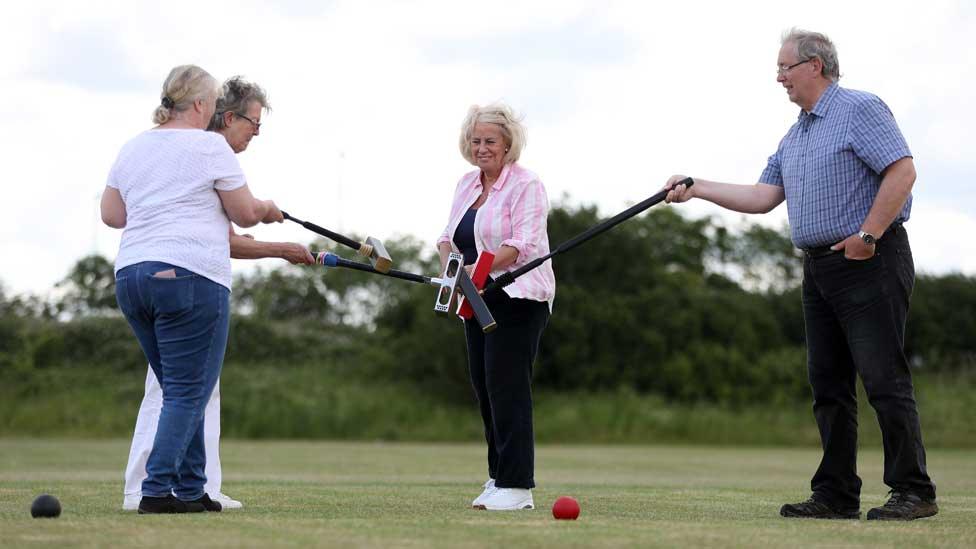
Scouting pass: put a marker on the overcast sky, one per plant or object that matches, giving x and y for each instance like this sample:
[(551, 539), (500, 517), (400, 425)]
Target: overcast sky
[(368, 98)]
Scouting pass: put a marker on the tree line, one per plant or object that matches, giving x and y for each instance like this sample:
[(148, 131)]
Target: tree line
[(691, 310)]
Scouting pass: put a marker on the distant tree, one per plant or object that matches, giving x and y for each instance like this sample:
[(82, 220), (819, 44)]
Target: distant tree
[(89, 288)]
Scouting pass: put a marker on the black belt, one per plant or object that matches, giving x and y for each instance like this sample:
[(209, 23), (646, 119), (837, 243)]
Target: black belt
[(822, 251), (819, 251)]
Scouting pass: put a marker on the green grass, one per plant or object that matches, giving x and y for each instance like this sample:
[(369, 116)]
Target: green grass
[(306, 494), (260, 402)]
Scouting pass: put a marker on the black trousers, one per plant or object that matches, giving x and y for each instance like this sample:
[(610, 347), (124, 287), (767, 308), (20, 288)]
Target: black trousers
[(500, 364), (855, 314)]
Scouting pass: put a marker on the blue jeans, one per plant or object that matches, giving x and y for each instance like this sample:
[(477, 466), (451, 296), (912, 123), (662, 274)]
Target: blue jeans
[(855, 313), (181, 323)]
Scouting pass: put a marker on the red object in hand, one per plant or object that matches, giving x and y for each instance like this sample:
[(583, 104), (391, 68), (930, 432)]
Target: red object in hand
[(482, 268), (565, 508)]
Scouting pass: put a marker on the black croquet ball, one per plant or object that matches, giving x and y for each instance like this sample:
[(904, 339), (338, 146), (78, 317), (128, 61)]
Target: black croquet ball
[(46, 506)]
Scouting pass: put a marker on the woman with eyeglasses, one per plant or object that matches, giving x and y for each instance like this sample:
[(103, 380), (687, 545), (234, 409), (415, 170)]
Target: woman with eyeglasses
[(174, 189)]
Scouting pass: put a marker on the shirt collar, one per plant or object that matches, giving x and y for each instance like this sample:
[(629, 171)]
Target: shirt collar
[(499, 183), (823, 104)]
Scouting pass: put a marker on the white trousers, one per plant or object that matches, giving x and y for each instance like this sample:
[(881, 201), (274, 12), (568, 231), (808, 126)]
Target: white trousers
[(145, 433)]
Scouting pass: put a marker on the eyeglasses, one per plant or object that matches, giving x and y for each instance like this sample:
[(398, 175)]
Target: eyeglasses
[(257, 125), (780, 71)]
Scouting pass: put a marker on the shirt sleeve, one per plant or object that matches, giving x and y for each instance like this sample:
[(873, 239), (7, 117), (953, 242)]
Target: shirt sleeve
[(226, 171), (113, 174), (455, 204), (529, 213), (773, 174), (875, 137)]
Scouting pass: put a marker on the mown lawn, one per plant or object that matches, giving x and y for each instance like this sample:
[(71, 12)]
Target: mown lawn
[(309, 494)]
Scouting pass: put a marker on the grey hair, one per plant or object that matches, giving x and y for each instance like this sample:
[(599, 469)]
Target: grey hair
[(238, 96), (184, 85), (811, 45), (502, 115)]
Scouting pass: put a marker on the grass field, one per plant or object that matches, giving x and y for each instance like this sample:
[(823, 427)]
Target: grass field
[(309, 494)]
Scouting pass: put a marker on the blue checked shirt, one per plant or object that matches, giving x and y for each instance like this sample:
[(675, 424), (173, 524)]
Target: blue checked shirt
[(830, 162)]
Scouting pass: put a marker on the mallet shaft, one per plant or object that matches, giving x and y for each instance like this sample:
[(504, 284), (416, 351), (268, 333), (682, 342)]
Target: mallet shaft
[(332, 260), (341, 239), (593, 231)]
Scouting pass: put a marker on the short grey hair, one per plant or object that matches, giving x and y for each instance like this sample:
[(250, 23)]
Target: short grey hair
[(238, 96), (184, 85), (811, 44), (502, 115)]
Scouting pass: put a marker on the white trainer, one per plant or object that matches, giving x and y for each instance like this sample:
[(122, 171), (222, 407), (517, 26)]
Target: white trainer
[(489, 487), (131, 502), (226, 502), (507, 499)]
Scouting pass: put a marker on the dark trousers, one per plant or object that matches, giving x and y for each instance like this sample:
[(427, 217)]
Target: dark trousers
[(500, 364), (855, 314)]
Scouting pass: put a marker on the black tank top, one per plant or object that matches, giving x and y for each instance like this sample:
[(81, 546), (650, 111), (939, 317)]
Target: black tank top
[(464, 237)]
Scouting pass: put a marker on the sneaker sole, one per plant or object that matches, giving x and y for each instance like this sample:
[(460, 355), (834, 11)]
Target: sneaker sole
[(525, 507)]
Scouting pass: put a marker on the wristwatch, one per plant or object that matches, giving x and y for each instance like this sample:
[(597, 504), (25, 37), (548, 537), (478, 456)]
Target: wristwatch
[(868, 238)]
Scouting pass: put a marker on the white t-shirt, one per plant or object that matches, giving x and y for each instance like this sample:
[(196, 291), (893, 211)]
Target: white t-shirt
[(169, 179)]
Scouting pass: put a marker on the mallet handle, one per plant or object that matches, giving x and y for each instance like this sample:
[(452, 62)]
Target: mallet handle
[(341, 239), (332, 260), (593, 231)]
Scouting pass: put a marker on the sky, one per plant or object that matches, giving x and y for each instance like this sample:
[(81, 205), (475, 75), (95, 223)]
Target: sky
[(368, 99)]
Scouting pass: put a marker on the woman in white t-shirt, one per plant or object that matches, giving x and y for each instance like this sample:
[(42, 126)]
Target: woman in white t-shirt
[(172, 189)]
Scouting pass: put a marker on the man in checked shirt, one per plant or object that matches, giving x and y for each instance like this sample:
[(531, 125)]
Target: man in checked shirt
[(846, 174)]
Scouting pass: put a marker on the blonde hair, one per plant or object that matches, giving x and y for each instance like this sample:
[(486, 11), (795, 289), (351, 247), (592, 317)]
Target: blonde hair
[(184, 85), (502, 115)]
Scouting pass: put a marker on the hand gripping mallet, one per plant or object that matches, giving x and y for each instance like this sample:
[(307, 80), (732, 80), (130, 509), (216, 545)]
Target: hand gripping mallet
[(509, 277), (457, 282), (372, 248)]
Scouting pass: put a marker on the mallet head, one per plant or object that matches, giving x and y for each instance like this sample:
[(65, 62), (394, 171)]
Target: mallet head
[(378, 255), (449, 279)]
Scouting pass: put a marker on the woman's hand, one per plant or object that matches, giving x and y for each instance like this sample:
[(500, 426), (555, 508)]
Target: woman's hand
[(273, 214)]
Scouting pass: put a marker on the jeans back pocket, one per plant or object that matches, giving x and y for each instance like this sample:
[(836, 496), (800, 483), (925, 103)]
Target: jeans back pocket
[(172, 296)]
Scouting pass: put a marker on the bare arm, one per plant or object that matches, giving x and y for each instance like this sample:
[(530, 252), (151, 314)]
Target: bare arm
[(444, 249), (757, 198), (245, 210), (504, 256), (245, 247), (113, 208), (896, 184)]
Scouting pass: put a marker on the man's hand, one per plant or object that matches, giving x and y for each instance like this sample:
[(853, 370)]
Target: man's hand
[(855, 248), (296, 254), (678, 193)]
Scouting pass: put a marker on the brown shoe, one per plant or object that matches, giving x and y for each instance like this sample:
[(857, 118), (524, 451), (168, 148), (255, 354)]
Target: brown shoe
[(812, 508), (904, 506)]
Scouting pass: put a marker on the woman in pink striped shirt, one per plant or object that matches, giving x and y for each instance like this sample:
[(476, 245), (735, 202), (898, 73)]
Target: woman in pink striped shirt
[(501, 207)]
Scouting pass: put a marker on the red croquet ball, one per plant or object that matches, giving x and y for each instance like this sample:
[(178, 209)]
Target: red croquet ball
[(565, 508)]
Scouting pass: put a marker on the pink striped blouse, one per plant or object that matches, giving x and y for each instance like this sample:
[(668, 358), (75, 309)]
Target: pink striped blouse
[(515, 215)]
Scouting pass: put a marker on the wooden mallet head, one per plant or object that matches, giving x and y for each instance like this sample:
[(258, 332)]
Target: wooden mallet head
[(374, 249)]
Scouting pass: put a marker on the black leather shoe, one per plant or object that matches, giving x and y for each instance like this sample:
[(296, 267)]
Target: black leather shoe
[(904, 506), (812, 508), (208, 504), (168, 505)]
